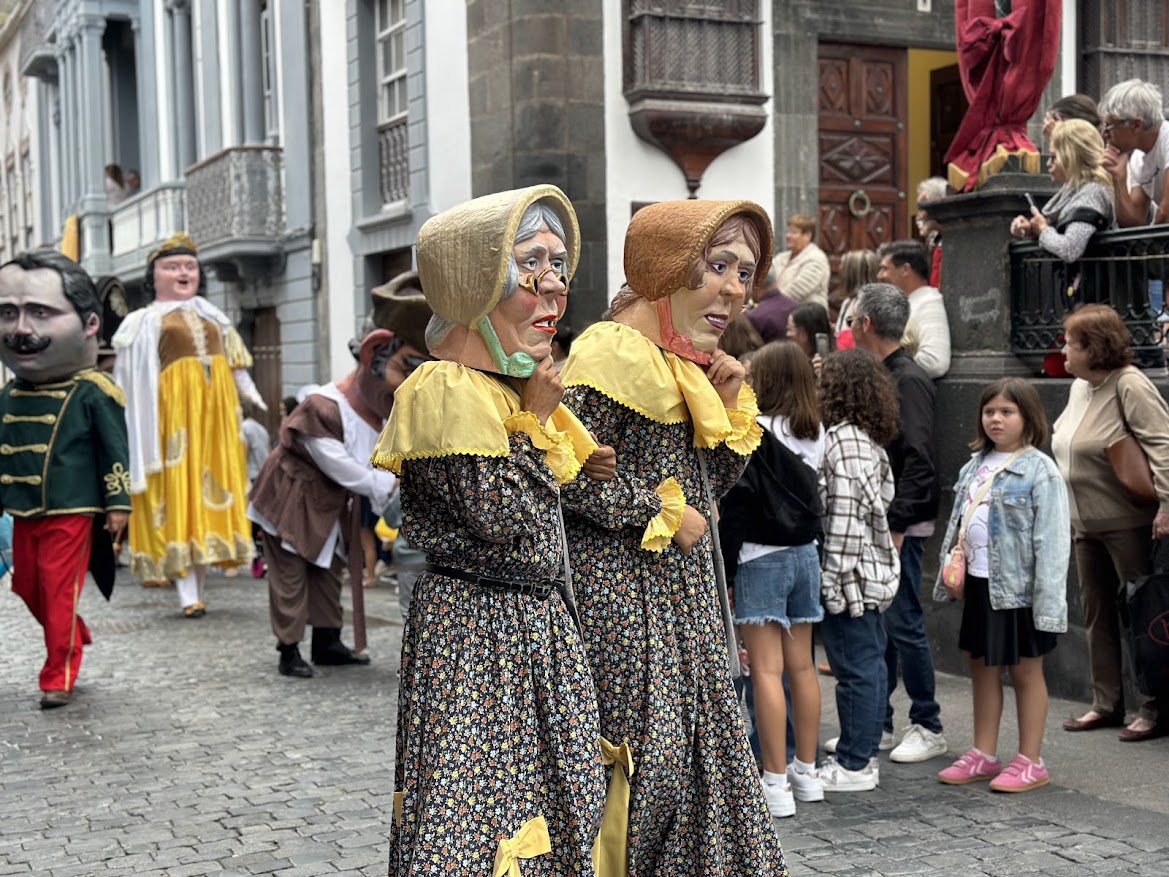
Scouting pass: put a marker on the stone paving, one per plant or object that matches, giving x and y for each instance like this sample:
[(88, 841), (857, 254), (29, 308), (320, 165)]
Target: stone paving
[(184, 753)]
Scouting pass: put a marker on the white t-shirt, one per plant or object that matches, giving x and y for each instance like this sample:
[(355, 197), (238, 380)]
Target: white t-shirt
[(1147, 169), (811, 451), (977, 545)]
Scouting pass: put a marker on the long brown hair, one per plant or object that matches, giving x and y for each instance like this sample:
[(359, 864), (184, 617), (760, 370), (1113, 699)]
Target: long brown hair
[(785, 385), (856, 388), (1026, 399)]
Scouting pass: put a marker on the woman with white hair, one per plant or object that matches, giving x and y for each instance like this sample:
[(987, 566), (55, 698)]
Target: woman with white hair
[(929, 190)]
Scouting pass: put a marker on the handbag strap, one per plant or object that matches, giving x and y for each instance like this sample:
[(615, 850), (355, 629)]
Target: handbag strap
[(983, 490)]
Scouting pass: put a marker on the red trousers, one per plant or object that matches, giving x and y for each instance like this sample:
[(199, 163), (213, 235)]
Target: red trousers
[(50, 557)]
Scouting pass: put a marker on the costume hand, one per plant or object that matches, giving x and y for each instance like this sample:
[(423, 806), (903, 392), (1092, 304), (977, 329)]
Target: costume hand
[(1161, 525), (115, 521), (726, 374), (692, 529), (542, 391), (602, 463), (1116, 163)]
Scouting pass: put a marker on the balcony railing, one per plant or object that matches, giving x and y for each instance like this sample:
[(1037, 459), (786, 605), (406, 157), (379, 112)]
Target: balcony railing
[(235, 200), (1126, 269), (142, 222), (394, 161)]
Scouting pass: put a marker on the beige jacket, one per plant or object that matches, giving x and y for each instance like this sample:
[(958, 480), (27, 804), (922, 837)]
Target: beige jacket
[(805, 277), (1096, 417)]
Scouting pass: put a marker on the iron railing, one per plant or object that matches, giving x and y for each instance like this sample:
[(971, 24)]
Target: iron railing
[(393, 148), (1126, 268), (236, 195)]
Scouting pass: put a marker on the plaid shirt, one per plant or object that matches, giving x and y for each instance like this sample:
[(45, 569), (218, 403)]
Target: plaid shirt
[(861, 568)]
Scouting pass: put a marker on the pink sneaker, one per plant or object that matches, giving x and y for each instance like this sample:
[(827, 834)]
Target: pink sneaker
[(970, 768), (1021, 775)]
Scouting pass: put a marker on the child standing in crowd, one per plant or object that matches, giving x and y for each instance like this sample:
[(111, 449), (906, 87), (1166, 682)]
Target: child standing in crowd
[(1015, 605), (858, 403), (771, 519)]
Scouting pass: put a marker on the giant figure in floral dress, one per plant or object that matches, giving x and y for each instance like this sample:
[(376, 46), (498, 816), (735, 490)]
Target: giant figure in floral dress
[(653, 384), (498, 758)]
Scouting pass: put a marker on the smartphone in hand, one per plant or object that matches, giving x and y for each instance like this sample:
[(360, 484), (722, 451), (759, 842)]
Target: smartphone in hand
[(822, 344)]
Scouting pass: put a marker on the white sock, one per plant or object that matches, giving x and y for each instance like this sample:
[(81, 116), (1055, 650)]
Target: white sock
[(774, 779), (802, 766)]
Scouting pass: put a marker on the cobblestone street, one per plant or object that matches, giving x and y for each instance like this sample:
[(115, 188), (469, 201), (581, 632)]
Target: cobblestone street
[(184, 753)]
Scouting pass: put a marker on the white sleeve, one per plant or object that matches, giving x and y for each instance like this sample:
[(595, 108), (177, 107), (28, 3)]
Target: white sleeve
[(136, 371), (933, 353), (354, 475)]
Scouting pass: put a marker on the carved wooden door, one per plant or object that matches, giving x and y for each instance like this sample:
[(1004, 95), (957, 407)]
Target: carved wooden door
[(863, 169)]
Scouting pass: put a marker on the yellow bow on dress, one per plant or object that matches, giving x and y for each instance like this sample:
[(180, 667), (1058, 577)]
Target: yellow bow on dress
[(611, 849), (527, 843)]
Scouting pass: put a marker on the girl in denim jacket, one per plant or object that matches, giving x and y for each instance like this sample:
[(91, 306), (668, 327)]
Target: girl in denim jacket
[(1017, 545)]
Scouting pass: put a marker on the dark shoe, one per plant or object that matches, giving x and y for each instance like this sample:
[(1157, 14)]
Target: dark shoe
[(291, 663), (1102, 720), (1130, 736), (52, 699), (329, 651)]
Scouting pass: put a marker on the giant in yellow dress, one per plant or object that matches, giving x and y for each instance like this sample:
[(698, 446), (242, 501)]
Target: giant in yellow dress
[(193, 510)]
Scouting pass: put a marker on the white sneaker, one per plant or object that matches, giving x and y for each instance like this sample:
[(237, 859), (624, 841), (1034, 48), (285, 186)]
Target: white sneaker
[(875, 766), (806, 786), (780, 801), (837, 778), (918, 744), (885, 746)]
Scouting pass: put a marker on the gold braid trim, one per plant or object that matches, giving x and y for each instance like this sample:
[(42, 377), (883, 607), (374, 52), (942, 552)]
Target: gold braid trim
[(103, 383)]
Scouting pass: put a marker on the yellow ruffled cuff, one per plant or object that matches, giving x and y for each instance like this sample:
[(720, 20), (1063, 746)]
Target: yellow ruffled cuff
[(235, 351), (746, 434), (661, 529), (558, 448)]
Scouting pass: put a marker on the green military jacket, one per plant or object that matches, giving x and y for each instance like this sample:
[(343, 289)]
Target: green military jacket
[(63, 447)]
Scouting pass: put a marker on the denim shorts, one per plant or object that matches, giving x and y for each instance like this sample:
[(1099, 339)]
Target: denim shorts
[(783, 586)]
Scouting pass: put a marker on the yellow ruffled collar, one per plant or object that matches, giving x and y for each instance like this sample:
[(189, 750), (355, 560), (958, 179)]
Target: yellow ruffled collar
[(445, 408), (624, 365)]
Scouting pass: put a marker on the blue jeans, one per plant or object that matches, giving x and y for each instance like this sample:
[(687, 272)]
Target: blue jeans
[(905, 626), (855, 647)]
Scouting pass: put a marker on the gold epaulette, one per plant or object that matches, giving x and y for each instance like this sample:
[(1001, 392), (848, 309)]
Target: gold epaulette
[(104, 383)]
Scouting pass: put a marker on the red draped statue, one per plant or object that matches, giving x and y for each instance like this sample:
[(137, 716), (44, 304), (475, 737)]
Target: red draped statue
[(1005, 64)]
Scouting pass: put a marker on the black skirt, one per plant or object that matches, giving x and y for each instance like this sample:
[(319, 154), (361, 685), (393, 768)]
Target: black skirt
[(1000, 636)]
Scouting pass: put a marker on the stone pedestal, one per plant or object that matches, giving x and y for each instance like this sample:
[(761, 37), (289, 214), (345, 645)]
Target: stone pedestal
[(976, 272)]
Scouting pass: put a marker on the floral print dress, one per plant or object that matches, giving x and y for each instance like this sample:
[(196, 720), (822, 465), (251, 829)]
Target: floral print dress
[(656, 644), (497, 713)]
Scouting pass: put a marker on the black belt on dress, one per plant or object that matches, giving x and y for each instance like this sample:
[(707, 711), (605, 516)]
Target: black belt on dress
[(539, 590)]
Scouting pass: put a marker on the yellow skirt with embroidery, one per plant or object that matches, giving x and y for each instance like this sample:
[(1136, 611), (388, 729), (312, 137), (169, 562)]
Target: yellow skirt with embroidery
[(195, 510)]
